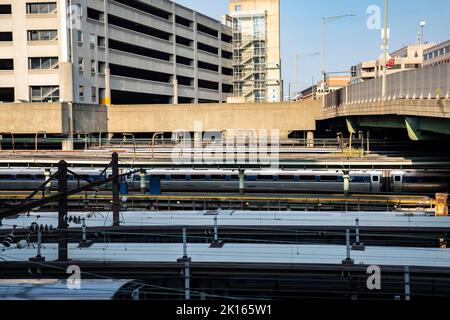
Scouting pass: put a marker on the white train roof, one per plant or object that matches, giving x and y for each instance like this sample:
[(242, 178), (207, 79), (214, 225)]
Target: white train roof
[(239, 253), (239, 218)]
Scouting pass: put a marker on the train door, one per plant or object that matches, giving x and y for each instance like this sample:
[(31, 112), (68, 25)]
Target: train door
[(386, 181), (397, 181), (375, 182)]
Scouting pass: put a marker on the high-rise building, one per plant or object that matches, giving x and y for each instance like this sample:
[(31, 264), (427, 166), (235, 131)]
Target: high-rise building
[(157, 51), (256, 50)]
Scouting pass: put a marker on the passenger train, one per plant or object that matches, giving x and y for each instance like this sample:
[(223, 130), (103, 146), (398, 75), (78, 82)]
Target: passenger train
[(258, 181)]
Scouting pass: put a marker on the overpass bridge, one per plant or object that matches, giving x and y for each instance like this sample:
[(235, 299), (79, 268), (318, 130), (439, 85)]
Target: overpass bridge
[(416, 100)]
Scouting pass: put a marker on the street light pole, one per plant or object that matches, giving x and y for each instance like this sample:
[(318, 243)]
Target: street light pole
[(325, 21), (297, 58), (323, 47), (385, 50)]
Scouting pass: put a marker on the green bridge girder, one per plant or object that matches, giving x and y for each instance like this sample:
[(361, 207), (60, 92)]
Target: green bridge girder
[(418, 128)]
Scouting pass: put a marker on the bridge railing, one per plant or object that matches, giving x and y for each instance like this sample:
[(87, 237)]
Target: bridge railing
[(425, 83)]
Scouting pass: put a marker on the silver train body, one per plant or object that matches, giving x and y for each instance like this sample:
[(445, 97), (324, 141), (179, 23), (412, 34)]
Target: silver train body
[(264, 181)]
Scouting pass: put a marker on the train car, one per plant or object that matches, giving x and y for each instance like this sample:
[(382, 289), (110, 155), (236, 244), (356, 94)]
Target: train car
[(262, 181), (265, 181), (418, 182), (54, 289)]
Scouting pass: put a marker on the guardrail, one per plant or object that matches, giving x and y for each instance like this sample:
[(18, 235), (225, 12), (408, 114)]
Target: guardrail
[(428, 83)]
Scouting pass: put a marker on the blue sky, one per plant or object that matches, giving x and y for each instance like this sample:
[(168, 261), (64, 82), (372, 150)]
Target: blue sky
[(349, 41)]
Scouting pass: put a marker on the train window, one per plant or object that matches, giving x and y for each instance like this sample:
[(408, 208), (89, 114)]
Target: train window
[(178, 177), (6, 177), (328, 178), (286, 178), (250, 178), (161, 177), (419, 179), (218, 177), (40, 177), (360, 179), (198, 177), (136, 178), (398, 179), (307, 178), (234, 177), (375, 178), (265, 178), (24, 177)]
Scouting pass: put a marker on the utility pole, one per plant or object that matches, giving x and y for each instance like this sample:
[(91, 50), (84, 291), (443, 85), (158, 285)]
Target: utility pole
[(115, 189), (385, 49), (62, 212), (324, 78)]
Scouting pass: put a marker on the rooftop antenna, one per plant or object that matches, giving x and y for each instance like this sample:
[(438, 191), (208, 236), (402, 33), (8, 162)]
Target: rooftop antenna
[(420, 37)]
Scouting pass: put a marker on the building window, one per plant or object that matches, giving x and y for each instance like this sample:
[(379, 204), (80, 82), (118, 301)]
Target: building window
[(6, 64), (81, 92), (101, 67), (94, 94), (42, 35), (259, 28), (412, 66), (80, 10), (237, 8), (92, 40), (43, 63), (101, 42), (6, 36), (93, 66), (80, 64), (7, 94), (80, 37), (5, 9), (44, 94), (43, 7)]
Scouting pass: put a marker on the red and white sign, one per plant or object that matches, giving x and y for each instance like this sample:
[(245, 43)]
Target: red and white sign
[(390, 63)]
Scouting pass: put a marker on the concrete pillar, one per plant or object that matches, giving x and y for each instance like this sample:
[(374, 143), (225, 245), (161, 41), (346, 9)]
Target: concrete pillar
[(346, 183), (142, 184), (49, 184), (67, 144), (310, 139), (175, 90), (241, 182), (110, 137)]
